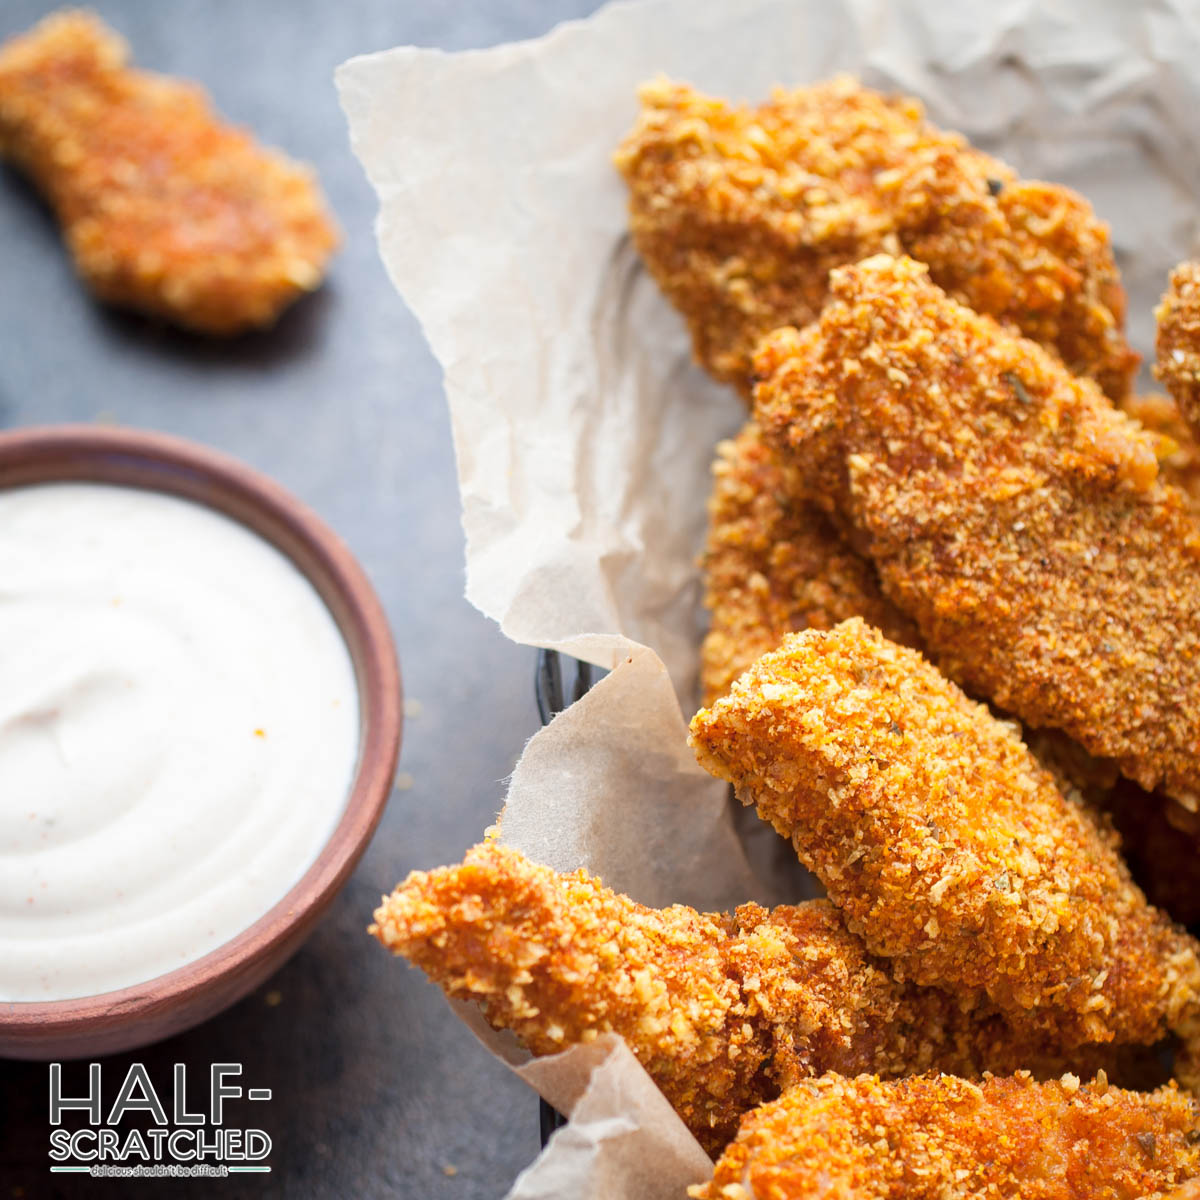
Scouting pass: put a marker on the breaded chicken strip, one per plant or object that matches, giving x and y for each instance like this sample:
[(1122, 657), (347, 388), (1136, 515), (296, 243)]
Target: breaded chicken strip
[(724, 1011), (940, 1138), (774, 565), (164, 208), (740, 213), (1011, 511), (1178, 344), (945, 843)]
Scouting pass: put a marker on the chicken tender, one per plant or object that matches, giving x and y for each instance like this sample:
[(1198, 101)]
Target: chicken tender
[(740, 213), (937, 1138), (945, 843), (1010, 510), (164, 208), (724, 1011), (774, 565), (1178, 343)]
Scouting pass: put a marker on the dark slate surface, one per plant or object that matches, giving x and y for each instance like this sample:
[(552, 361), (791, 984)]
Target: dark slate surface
[(378, 1091)]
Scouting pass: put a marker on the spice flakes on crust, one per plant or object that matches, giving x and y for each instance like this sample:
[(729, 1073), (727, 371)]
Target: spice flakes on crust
[(164, 208), (740, 214)]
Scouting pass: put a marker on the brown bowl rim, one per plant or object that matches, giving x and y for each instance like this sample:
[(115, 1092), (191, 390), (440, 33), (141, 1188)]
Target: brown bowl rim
[(174, 465)]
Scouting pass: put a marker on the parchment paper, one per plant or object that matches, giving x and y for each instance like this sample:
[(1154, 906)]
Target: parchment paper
[(584, 435)]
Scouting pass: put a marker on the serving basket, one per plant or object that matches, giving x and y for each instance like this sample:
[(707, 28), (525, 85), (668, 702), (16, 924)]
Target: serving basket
[(548, 687)]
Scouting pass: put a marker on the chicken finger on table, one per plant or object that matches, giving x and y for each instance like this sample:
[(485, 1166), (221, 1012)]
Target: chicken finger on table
[(1010, 510), (740, 213), (723, 1011), (774, 565), (946, 844), (165, 208), (940, 1138)]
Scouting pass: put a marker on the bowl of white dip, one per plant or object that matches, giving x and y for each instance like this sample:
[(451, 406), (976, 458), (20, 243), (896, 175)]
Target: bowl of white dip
[(200, 715)]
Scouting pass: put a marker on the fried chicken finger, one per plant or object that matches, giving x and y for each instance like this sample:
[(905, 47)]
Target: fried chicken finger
[(724, 1011), (1011, 511), (933, 1138), (740, 214), (948, 846)]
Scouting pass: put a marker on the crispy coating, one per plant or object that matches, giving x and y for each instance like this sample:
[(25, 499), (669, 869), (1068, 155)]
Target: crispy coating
[(1178, 343), (724, 1011), (1011, 511), (740, 213), (774, 565), (946, 844), (1177, 448), (164, 208), (940, 1138)]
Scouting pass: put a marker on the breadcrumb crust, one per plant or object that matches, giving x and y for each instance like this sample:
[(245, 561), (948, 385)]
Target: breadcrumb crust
[(1177, 346), (740, 213), (774, 565), (945, 843)]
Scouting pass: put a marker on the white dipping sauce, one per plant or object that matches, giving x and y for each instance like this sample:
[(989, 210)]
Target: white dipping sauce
[(178, 734)]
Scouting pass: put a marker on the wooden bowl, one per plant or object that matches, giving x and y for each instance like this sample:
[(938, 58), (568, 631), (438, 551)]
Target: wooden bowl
[(146, 1012)]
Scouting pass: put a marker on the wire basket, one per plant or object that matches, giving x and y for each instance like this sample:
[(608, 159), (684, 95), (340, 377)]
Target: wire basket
[(548, 687)]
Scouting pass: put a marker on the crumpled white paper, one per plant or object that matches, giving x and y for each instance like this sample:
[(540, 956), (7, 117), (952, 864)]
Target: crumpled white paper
[(584, 434)]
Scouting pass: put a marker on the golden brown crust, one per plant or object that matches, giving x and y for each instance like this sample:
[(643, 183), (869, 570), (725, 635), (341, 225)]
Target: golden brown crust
[(774, 565), (937, 1138), (1178, 343), (722, 1010), (740, 213), (164, 208), (944, 842), (1011, 511)]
